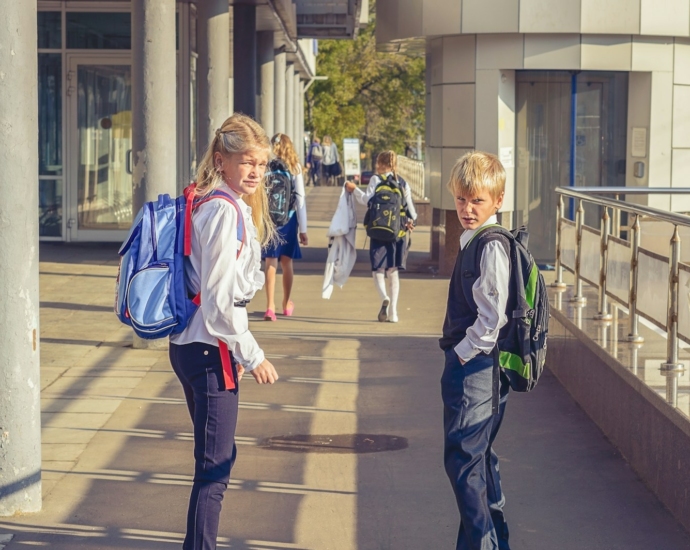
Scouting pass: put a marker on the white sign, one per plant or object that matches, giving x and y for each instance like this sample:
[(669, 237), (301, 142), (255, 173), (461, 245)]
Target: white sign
[(639, 143), (351, 157), (506, 157)]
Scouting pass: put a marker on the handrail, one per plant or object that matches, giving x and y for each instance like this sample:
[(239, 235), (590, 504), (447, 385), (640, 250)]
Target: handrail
[(569, 237), (664, 215)]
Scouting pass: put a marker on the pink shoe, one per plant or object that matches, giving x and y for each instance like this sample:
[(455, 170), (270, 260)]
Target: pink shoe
[(270, 315), (289, 309)]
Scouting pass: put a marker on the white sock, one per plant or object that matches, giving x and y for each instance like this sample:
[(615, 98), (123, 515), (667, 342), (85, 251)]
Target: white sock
[(380, 284), (395, 292)]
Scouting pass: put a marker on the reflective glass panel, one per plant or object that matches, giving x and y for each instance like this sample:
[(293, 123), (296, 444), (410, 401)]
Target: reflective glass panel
[(568, 240), (49, 29), (109, 31), (652, 288), (104, 122), (590, 256), (50, 114), (684, 302), (618, 271), (50, 208)]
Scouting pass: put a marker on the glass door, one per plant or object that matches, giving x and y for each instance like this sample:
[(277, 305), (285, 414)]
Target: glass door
[(553, 152), (100, 128)]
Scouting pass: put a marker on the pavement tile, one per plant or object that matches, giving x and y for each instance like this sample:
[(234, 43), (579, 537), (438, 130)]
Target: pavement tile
[(73, 420), (64, 452), (79, 405)]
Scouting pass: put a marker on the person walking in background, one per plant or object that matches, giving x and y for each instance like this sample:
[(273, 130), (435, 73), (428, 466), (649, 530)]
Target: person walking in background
[(285, 177), (314, 156), (330, 162), (388, 257), (210, 356)]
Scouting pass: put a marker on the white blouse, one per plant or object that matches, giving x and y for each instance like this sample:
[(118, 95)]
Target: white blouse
[(224, 279)]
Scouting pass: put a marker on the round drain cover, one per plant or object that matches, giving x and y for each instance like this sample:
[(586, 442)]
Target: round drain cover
[(341, 443)]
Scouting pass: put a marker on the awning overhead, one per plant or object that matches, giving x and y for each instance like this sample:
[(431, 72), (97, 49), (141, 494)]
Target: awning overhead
[(330, 18)]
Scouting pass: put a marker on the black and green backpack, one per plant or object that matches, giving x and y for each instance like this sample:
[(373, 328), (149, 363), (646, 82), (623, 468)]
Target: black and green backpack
[(386, 216), (521, 346)]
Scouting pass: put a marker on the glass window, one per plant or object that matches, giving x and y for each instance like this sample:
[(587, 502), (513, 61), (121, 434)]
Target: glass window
[(50, 114), (49, 29), (109, 31), (50, 208)]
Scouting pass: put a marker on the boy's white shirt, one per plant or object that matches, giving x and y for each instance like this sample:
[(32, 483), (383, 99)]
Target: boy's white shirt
[(490, 292), (364, 196)]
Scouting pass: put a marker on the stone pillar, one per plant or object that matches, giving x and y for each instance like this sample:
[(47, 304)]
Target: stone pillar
[(20, 384), (213, 68), (300, 122), (280, 100), (266, 86), (244, 46), (154, 151), (297, 123), (290, 100)]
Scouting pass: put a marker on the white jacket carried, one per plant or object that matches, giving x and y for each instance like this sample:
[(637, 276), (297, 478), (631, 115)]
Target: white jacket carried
[(342, 252)]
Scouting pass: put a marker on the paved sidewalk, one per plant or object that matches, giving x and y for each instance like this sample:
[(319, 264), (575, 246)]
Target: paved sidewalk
[(117, 447)]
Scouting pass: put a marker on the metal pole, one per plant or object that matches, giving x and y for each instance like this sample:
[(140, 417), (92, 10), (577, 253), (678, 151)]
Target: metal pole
[(672, 367), (616, 230), (558, 283), (20, 382), (634, 336), (579, 221), (604, 314)]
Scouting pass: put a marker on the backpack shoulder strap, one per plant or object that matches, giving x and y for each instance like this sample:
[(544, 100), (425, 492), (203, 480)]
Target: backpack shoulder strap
[(193, 204), (471, 251)]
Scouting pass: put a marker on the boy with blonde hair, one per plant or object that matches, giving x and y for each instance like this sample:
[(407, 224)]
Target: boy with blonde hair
[(473, 388)]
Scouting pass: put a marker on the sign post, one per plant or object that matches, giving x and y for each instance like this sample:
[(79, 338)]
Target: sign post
[(351, 157)]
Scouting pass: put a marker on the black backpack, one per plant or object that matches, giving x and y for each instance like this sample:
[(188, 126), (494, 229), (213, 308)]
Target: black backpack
[(386, 216), (281, 192), (521, 346)]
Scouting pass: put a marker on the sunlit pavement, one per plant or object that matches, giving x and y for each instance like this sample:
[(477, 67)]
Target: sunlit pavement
[(117, 448)]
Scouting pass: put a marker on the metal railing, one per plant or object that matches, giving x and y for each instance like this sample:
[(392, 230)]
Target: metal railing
[(413, 173), (625, 272)]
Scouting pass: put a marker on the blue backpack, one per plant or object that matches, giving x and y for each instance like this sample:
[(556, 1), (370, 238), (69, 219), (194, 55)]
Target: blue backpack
[(151, 293)]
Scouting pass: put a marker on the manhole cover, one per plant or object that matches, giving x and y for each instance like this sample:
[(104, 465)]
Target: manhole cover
[(342, 443)]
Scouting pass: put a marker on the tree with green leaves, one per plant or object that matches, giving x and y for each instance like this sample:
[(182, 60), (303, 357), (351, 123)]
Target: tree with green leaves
[(374, 96)]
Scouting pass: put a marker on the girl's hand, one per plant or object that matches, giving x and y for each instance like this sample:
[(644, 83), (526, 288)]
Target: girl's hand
[(303, 239), (350, 186), (265, 373), (240, 372)]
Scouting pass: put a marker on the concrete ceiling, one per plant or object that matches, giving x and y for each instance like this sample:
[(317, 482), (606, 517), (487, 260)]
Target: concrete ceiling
[(329, 18)]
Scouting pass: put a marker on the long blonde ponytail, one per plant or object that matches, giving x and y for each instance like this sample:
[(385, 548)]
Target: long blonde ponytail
[(237, 135)]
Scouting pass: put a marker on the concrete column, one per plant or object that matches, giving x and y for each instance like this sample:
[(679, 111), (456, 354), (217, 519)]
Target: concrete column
[(154, 152), (266, 86), (213, 68), (244, 46), (300, 121), (20, 384), (297, 128), (280, 100), (290, 101)]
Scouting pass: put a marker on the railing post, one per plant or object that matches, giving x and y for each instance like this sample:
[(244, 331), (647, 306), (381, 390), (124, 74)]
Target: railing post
[(672, 367), (634, 335), (604, 314), (616, 229), (579, 221), (558, 283)]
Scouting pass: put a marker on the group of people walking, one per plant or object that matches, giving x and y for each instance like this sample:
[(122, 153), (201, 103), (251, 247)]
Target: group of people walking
[(225, 271)]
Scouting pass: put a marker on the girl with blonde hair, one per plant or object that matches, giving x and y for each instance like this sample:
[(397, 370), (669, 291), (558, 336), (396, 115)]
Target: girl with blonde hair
[(387, 258), (210, 356), (286, 247)]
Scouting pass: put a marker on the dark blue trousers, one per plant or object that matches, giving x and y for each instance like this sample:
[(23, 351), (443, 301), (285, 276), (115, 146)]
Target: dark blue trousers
[(471, 464), (214, 415)]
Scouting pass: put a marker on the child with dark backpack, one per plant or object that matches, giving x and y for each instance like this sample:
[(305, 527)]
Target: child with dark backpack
[(288, 209), (390, 218), (494, 339)]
